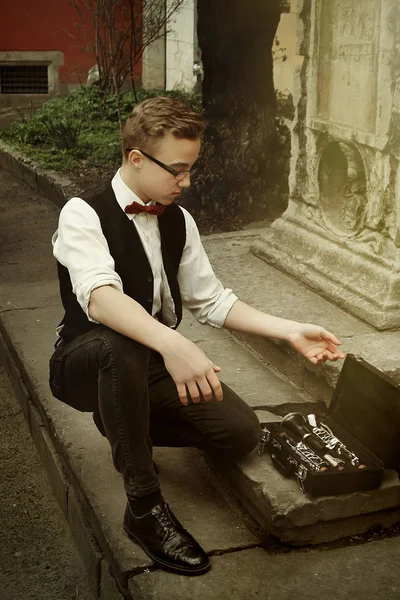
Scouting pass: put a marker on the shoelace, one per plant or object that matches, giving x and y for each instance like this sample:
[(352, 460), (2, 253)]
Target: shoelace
[(163, 516)]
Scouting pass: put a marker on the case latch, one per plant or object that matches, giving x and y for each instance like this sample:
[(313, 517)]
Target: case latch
[(263, 441)]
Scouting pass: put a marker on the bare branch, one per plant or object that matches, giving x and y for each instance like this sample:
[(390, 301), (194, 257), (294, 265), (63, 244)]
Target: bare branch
[(118, 31)]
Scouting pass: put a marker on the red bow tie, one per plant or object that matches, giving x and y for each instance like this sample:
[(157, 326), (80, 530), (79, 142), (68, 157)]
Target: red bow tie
[(135, 208)]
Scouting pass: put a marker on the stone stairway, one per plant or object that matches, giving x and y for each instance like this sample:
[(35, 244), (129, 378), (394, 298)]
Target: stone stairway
[(237, 514), (229, 511)]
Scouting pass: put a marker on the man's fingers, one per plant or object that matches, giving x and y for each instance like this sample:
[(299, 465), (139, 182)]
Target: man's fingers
[(333, 355), (205, 389), (181, 387), (206, 385), (327, 335), (332, 348), (324, 356), (193, 391), (329, 354), (215, 384)]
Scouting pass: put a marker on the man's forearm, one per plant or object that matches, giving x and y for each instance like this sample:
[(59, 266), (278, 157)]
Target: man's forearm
[(247, 319), (123, 314)]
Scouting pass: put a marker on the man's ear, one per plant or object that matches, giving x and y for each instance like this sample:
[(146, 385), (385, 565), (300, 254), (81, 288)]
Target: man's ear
[(135, 158)]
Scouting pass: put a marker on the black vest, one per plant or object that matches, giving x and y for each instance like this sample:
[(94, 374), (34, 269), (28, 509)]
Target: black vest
[(129, 256)]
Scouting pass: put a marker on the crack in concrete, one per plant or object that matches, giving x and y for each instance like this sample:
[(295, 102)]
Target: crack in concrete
[(20, 308)]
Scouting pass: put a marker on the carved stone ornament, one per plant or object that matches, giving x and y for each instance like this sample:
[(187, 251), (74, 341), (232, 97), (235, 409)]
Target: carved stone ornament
[(342, 184)]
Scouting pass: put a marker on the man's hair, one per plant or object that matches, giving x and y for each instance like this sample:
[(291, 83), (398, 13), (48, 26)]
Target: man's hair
[(151, 119)]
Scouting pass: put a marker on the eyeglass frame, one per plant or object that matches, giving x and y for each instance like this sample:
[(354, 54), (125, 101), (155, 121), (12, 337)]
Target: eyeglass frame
[(170, 170)]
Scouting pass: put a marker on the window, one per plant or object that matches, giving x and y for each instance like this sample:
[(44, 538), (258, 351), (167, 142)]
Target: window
[(24, 79)]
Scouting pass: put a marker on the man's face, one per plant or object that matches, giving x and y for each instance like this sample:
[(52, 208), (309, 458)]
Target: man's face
[(158, 184)]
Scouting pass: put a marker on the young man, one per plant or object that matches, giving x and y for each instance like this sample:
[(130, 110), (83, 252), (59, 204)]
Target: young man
[(128, 258)]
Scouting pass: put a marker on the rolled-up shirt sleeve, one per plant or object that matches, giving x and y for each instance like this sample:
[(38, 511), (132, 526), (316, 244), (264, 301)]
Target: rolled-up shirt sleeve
[(79, 245), (202, 292)]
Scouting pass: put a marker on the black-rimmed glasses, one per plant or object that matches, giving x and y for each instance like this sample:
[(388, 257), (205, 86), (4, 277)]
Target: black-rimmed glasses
[(179, 175)]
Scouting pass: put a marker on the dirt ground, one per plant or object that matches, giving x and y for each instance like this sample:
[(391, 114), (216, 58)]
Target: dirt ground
[(27, 221)]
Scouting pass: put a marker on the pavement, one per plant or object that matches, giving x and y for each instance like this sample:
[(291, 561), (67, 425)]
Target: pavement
[(248, 561)]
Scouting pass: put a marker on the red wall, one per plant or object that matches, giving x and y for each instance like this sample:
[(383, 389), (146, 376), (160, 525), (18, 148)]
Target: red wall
[(48, 25)]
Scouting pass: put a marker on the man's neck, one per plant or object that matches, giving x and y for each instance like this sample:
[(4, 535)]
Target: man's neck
[(126, 177)]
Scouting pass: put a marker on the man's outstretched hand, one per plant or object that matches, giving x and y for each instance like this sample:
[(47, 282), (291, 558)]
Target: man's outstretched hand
[(312, 341), (315, 343)]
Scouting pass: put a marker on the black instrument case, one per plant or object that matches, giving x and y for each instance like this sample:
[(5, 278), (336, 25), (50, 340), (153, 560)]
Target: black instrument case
[(364, 414)]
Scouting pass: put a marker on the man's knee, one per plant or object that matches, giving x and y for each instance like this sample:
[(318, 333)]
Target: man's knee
[(247, 435), (238, 437), (123, 349)]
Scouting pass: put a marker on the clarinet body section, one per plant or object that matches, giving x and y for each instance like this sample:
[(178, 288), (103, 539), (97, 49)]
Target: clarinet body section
[(311, 435)]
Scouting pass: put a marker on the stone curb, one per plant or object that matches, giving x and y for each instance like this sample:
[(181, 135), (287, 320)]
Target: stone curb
[(54, 186)]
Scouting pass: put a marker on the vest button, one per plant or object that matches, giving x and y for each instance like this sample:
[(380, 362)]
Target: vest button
[(149, 278), (150, 299)]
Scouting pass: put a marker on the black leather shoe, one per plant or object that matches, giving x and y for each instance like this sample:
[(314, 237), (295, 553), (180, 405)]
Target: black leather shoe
[(167, 543)]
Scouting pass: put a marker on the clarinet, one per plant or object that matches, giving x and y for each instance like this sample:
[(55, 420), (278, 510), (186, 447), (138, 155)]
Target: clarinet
[(297, 425), (310, 458), (325, 434), (315, 463)]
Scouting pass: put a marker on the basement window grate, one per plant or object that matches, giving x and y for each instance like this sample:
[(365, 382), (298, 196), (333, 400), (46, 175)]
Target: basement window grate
[(24, 79)]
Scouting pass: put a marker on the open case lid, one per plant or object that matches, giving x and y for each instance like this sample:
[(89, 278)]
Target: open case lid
[(366, 402)]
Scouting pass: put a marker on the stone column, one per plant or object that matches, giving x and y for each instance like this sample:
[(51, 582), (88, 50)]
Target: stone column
[(341, 231), (168, 62), (180, 49), (153, 65)]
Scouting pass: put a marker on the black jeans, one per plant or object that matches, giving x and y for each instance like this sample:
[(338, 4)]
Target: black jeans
[(136, 405)]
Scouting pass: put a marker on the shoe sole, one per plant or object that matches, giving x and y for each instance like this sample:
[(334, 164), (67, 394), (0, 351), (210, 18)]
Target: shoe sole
[(165, 565)]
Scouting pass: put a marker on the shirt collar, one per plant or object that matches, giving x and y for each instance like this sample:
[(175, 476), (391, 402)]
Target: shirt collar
[(125, 195)]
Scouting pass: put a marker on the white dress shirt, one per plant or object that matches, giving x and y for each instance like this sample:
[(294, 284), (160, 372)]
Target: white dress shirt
[(79, 244)]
